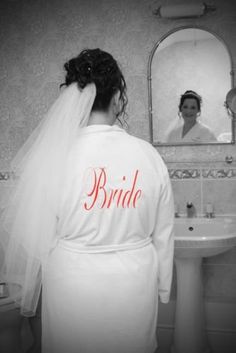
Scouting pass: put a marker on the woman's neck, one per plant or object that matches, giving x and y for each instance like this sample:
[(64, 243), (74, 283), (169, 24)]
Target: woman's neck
[(187, 126), (101, 118)]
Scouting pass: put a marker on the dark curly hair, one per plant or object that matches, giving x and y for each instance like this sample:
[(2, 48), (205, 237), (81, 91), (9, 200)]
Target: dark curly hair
[(99, 67), (190, 94)]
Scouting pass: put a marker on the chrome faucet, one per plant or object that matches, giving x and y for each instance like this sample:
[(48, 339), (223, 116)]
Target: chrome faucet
[(191, 211)]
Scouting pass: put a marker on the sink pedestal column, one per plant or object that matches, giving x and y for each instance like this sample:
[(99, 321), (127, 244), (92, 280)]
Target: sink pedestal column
[(189, 334)]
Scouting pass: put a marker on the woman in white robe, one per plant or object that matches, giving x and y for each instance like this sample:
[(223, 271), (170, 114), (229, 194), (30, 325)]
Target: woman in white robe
[(109, 252), (199, 133), (189, 129)]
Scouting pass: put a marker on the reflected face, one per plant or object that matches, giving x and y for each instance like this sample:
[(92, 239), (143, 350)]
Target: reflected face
[(189, 109)]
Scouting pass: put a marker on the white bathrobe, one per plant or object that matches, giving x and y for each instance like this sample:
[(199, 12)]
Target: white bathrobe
[(114, 254)]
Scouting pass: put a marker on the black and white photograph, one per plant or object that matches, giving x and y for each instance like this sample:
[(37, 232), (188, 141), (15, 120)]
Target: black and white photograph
[(117, 176)]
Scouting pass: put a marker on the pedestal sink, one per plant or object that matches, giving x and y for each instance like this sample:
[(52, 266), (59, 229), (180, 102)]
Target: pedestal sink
[(196, 238)]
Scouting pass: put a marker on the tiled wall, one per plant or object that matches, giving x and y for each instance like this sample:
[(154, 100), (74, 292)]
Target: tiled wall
[(202, 185)]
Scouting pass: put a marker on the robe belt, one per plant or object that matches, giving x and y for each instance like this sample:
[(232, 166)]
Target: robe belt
[(76, 247)]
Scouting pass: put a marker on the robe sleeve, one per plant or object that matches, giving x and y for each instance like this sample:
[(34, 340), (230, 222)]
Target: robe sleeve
[(163, 238)]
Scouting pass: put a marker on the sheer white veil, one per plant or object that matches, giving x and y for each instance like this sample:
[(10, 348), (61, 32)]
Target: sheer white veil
[(28, 222)]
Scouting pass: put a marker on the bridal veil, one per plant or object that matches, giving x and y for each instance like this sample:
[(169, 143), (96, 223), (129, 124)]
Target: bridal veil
[(28, 222)]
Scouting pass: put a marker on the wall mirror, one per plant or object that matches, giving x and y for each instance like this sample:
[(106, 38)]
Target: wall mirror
[(190, 58)]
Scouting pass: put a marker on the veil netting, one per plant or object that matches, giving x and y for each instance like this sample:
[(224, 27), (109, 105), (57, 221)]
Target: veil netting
[(28, 222)]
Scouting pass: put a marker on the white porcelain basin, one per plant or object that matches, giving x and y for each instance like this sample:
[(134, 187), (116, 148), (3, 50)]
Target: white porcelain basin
[(203, 237)]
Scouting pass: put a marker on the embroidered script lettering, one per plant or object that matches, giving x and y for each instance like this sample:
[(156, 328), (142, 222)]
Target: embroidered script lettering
[(101, 197)]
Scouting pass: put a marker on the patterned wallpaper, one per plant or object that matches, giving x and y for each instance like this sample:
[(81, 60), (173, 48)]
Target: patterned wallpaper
[(38, 36)]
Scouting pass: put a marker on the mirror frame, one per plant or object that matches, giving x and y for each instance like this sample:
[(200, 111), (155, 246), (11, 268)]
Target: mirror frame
[(149, 78)]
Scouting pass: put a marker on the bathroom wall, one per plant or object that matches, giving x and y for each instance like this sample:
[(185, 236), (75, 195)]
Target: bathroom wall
[(38, 36)]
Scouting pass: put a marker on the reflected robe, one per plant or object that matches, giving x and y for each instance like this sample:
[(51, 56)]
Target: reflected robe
[(199, 133)]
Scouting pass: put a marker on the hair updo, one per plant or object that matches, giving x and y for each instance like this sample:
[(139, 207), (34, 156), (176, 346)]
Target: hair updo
[(193, 95), (98, 67)]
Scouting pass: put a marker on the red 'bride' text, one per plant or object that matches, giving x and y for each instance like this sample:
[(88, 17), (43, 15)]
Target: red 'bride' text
[(104, 198)]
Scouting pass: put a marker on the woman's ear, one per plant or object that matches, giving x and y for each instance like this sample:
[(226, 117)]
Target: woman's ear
[(116, 97), (116, 103)]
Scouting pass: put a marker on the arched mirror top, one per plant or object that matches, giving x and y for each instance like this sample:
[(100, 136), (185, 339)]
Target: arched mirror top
[(190, 59)]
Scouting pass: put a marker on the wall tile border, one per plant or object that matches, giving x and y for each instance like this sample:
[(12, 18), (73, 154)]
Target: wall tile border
[(219, 173), (184, 173), (204, 173), (179, 173)]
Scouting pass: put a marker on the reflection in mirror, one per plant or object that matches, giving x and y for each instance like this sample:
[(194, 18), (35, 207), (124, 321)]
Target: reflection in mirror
[(190, 73)]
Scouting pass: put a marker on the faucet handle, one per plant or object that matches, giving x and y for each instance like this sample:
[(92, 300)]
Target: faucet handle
[(209, 210), (176, 210)]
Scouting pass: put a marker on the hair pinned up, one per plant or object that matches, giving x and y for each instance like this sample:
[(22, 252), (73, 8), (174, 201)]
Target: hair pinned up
[(98, 67), (193, 95)]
